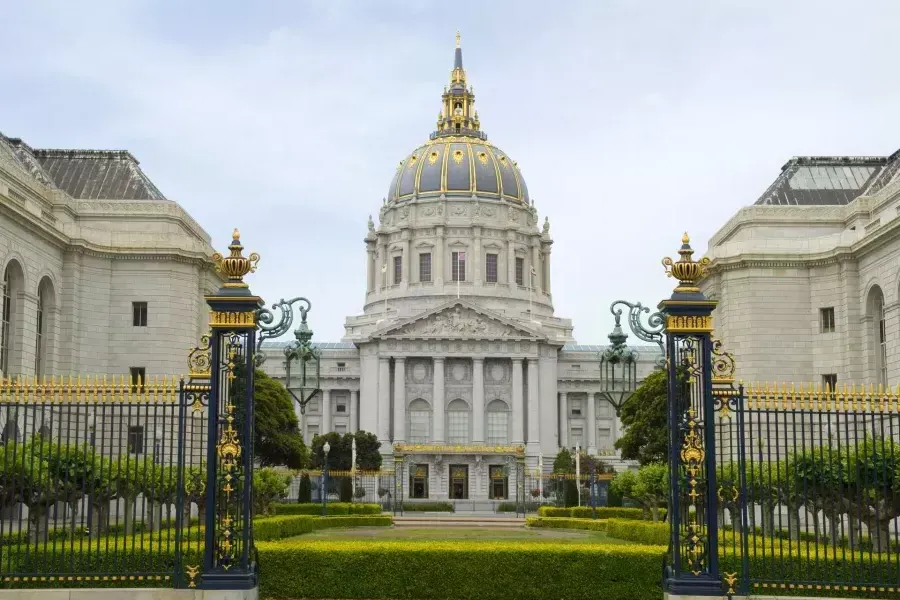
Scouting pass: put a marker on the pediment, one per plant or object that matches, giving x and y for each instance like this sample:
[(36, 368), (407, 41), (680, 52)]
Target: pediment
[(459, 320)]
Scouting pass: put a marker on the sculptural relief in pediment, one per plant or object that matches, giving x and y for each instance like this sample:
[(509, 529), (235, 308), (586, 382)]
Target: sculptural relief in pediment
[(458, 322)]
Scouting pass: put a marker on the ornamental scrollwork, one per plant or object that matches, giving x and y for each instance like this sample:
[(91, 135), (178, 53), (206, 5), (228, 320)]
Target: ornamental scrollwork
[(652, 332), (722, 362), (269, 328)]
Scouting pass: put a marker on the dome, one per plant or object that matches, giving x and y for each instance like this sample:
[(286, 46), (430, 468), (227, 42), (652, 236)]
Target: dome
[(458, 165)]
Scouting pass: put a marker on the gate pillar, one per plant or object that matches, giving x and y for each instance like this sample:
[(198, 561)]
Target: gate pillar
[(228, 560), (692, 565)]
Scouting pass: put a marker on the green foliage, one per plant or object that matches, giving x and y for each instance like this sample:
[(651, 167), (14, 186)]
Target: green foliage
[(345, 490), (334, 508), (269, 487), (644, 416), (653, 534), (508, 570), (285, 526), (648, 486), (564, 463), (508, 507), (277, 441), (603, 512), (566, 523), (415, 506), (305, 493), (340, 455)]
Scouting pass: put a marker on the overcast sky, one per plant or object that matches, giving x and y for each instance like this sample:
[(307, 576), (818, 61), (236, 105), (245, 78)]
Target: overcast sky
[(631, 121)]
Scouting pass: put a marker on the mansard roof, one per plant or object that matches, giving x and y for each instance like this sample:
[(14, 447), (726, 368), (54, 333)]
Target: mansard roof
[(86, 174), (458, 319), (829, 180)]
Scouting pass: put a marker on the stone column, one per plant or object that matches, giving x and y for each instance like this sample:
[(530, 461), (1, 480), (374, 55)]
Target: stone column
[(326, 411), (405, 266), (563, 420), (23, 338), (518, 410), (386, 268), (438, 407), (536, 263), (534, 419), (549, 417), (370, 267), (368, 389), (477, 262), (384, 401), (354, 411), (592, 423), (511, 260), (478, 400), (399, 400), (547, 269), (438, 275)]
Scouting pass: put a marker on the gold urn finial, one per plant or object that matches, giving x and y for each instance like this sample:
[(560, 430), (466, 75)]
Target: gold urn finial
[(235, 265), (687, 271)]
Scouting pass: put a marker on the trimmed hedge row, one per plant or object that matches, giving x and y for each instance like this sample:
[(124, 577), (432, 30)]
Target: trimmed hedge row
[(508, 507), (333, 508), (279, 527), (468, 570), (586, 512), (566, 523), (428, 507), (653, 534)]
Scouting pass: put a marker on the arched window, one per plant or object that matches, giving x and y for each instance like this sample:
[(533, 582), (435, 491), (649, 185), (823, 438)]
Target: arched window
[(498, 423), (878, 336), (419, 421), (13, 280), (458, 422)]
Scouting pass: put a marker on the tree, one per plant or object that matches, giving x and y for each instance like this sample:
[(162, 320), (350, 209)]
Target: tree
[(341, 451), (644, 416), (278, 440), (368, 458), (304, 494), (649, 486), (269, 487)]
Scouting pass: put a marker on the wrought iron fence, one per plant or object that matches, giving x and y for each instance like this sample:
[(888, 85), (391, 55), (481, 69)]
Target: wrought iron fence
[(808, 483), (363, 487), (102, 480)]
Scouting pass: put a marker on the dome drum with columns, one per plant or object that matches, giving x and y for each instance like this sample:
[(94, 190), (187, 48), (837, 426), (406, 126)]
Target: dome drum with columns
[(458, 359)]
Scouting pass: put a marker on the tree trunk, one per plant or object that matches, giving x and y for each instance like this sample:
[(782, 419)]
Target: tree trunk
[(880, 532), (735, 514), (100, 519), (38, 524), (129, 515), (833, 524), (154, 515), (794, 522), (768, 518), (853, 530), (654, 510)]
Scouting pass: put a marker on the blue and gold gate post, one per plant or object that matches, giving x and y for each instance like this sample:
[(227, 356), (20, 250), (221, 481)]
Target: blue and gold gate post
[(692, 567), (228, 562)]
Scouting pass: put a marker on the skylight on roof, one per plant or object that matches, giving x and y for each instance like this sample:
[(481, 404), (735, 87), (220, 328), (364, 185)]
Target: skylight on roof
[(830, 177)]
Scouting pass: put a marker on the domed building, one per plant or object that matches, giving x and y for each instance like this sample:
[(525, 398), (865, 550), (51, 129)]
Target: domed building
[(458, 361)]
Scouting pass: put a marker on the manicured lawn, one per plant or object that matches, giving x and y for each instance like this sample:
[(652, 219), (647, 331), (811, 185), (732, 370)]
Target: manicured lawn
[(554, 536)]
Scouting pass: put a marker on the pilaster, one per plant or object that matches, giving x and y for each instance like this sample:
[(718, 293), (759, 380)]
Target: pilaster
[(548, 418), (326, 411), (22, 359), (354, 411), (384, 401), (518, 411), (592, 423), (534, 424), (563, 420), (478, 414), (399, 400), (439, 404)]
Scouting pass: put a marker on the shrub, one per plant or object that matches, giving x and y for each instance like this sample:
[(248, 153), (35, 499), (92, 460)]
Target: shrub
[(334, 508), (345, 490), (653, 534), (305, 493), (505, 507), (585, 512), (405, 570), (566, 523), (428, 507), (269, 486), (276, 528)]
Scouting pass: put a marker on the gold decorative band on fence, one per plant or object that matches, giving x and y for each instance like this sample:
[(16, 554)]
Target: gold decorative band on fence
[(99, 389), (850, 398)]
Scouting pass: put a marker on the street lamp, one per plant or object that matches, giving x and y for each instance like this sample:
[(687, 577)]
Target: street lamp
[(157, 445), (325, 449), (618, 368)]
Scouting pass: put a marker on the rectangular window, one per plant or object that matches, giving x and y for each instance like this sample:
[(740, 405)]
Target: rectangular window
[(604, 438), (340, 406), (458, 427), (827, 319), (136, 439), (490, 268), (138, 377), (418, 481), (577, 437), (458, 270), (604, 409), (341, 366), (314, 405), (139, 314), (520, 271), (341, 429), (498, 482), (398, 269), (312, 431), (497, 428), (829, 381), (575, 407), (425, 267)]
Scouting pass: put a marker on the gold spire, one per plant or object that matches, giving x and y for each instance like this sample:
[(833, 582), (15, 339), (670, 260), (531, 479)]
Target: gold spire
[(457, 38)]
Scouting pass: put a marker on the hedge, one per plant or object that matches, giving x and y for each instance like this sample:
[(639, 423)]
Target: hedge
[(284, 526), (458, 570), (428, 507), (566, 523), (586, 512), (505, 507), (653, 534), (333, 508)]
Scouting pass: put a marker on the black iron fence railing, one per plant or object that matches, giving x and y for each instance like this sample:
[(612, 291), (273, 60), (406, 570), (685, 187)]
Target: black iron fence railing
[(101, 481), (809, 489)]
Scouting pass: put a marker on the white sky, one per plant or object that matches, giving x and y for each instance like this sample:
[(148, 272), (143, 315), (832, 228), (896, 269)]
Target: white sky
[(631, 121)]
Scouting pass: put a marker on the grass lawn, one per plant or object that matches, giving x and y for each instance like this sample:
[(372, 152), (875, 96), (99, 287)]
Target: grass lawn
[(492, 534)]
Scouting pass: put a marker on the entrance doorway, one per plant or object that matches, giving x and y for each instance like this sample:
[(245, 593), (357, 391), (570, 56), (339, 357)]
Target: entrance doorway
[(499, 483), (459, 482), (418, 481)]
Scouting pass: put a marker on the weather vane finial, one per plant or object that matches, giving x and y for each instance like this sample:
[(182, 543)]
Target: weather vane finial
[(457, 38)]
